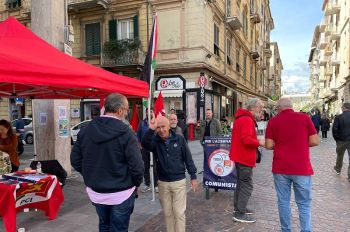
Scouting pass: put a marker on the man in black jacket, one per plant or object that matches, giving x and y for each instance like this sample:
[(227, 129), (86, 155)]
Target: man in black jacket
[(172, 157), (107, 155), (341, 134)]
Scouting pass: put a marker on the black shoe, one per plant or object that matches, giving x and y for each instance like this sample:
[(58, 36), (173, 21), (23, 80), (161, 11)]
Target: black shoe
[(336, 171), (245, 218), (247, 211)]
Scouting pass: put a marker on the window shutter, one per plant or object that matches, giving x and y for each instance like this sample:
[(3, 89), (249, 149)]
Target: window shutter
[(92, 39), (136, 26), (112, 30)]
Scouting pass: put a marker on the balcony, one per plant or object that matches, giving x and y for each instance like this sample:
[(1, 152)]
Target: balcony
[(335, 35), (255, 18), (333, 7), (335, 61), (255, 55), (23, 6), (87, 4), (328, 30), (322, 26), (323, 43), (323, 61), (122, 53), (328, 71), (267, 50), (328, 51), (235, 22)]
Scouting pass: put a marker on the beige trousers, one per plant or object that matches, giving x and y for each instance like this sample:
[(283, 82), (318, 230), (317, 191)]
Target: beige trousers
[(172, 197)]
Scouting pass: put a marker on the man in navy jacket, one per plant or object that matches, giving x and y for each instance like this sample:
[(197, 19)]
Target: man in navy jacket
[(108, 157), (172, 157)]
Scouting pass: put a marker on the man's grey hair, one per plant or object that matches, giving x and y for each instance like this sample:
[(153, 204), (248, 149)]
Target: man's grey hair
[(252, 103), (113, 102), (284, 103), (346, 105)]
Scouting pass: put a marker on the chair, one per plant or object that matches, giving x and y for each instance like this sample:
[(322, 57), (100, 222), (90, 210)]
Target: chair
[(52, 167)]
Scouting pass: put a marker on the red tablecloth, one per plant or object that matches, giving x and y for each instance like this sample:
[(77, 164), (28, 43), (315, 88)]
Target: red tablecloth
[(45, 195)]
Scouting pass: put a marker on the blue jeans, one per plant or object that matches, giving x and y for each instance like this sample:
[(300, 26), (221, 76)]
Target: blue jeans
[(115, 218), (302, 191)]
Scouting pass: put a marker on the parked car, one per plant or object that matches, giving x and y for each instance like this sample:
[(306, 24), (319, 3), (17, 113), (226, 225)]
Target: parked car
[(75, 130), (28, 129)]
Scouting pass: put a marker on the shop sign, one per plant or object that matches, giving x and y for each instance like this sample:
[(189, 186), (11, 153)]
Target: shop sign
[(202, 82), (170, 83), (19, 101)]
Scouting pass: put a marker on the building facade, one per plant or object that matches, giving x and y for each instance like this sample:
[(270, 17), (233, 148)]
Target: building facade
[(329, 57), (211, 54)]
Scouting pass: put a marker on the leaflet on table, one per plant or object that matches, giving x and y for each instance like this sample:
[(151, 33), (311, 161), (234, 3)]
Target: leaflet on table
[(9, 181), (33, 178)]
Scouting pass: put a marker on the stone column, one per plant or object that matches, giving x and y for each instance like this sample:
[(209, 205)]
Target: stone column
[(51, 117)]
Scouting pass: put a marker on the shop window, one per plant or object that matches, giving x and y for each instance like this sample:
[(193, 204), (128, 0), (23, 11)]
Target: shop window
[(93, 39), (12, 4)]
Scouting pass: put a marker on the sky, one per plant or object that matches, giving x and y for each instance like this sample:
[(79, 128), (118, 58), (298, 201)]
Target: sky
[(295, 22)]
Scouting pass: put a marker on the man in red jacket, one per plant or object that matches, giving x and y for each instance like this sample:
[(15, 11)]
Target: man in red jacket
[(243, 152)]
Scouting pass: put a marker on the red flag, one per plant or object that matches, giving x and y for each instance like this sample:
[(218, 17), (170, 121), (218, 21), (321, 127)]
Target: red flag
[(134, 122), (159, 106)]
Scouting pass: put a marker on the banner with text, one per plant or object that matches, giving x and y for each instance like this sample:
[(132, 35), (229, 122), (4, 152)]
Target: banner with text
[(219, 170)]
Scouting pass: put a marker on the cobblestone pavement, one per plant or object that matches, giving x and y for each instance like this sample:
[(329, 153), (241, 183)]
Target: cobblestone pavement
[(330, 205)]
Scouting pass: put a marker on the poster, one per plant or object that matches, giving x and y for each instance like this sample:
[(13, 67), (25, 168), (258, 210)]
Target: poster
[(75, 113), (219, 170), (63, 125), (42, 118), (62, 112)]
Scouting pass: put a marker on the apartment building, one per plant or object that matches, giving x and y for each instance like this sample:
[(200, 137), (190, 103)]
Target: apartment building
[(329, 57), (211, 53)]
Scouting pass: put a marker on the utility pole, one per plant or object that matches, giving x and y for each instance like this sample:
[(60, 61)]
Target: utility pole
[(51, 117)]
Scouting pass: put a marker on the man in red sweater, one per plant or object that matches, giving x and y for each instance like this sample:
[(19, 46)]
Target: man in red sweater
[(243, 152), (290, 135)]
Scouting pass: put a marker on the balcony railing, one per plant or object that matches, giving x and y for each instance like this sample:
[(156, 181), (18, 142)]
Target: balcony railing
[(267, 50), (122, 53), (255, 17), (86, 4), (335, 35), (21, 5)]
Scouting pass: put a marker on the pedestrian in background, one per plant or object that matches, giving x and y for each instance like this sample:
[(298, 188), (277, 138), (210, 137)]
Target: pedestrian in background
[(182, 124), (316, 119), (290, 135), (210, 126), (107, 155), (325, 125), (172, 157), (341, 134), (173, 124), (146, 157), (244, 153), (9, 143)]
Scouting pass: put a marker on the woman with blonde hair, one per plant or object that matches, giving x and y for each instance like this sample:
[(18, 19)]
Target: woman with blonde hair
[(8, 143)]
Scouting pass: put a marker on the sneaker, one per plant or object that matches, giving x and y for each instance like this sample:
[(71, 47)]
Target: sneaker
[(145, 189), (245, 218), (336, 171), (156, 189), (247, 211)]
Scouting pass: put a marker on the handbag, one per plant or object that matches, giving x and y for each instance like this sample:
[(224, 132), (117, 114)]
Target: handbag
[(258, 155)]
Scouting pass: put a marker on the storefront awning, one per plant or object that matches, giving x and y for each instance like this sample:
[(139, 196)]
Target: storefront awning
[(169, 93)]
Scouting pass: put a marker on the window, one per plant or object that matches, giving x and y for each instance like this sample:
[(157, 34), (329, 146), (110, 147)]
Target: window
[(251, 71), (239, 4), (216, 40), (12, 4), (238, 54), (92, 39), (245, 22), (228, 8), (244, 66), (125, 29), (252, 6), (228, 52)]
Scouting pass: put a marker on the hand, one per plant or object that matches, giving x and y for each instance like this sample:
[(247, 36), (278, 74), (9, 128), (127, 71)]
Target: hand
[(153, 122), (194, 184), (262, 142)]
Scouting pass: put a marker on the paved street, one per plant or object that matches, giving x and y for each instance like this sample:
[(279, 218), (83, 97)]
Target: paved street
[(330, 208)]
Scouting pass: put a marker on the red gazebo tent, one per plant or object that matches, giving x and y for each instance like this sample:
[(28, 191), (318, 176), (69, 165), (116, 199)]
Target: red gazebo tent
[(32, 68)]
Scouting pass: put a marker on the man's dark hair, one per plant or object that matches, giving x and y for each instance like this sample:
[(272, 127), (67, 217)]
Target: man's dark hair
[(113, 102), (346, 105)]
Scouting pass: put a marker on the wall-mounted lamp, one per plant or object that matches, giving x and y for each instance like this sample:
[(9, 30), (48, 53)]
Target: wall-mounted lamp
[(208, 56)]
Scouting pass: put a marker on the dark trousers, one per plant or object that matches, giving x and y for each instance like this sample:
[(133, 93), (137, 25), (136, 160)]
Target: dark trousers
[(115, 218), (146, 156), (341, 147), (14, 168), (324, 134), (244, 188)]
